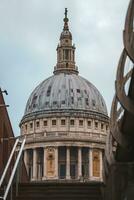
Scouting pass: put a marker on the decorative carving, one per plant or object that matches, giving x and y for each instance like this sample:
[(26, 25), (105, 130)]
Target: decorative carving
[(50, 162), (96, 163)]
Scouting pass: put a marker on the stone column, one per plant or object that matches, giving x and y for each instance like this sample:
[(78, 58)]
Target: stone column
[(79, 162), (44, 164), (90, 163), (56, 162), (34, 164), (26, 159), (67, 162), (101, 166)]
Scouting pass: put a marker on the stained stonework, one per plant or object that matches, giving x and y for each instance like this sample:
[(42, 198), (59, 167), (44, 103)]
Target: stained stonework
[(50, 162), (96, 163)]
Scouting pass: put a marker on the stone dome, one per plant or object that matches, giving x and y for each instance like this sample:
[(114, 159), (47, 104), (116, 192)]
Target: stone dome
[(65, 92)]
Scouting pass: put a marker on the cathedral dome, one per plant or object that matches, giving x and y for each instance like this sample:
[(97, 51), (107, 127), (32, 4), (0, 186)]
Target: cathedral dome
[(65, 91), (65, 123)]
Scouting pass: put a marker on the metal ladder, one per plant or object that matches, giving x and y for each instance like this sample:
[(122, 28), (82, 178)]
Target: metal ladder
[(22, 143)]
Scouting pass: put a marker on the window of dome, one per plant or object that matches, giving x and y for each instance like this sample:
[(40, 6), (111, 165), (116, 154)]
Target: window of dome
[(31, 125), (96, 125), (86, 101), (54, 122), (85, 91), (49, 91), (106, 127), (72, 122), (63, 102), (78, 90), (89, 123), (26, 127), (63, 122), (45, 122), (80, 122), (102, 126), (37, 124), (54, 102), (47, 103), (93, 102), (72, 100), (66, 41), (71, 90), (34, 101)]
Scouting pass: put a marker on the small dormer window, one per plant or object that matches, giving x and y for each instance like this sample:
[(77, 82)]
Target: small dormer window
[(86, 101), (93, 102)]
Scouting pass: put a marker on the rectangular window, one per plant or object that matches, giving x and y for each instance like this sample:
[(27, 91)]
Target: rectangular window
[(72, 122), (80, 122), (89, 124), (54, 122), (37, 124), (86, 101), (63, 122), (26, 127), (31, 125), (63, 102), (102, 126), (45, 122), (96, 125), (78, 90)]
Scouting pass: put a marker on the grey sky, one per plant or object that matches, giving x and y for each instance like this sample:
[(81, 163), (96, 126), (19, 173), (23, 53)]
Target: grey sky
[(29, 34)]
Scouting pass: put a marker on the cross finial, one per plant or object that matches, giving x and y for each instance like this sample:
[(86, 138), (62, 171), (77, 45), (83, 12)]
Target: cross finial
[(66, 12)]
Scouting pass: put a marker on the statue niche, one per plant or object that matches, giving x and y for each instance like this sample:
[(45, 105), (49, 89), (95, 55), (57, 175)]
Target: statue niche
[(50, 162)]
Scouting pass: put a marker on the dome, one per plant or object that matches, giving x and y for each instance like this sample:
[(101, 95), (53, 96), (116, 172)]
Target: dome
[(65, 92)]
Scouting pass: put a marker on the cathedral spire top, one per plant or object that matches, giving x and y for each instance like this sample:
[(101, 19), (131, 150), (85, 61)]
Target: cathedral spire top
[(66, 20), (65, 51)]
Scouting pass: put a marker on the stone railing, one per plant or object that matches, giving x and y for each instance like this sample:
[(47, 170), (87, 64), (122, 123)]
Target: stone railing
[(64, 135)]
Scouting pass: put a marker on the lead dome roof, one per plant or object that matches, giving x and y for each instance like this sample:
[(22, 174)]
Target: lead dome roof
[(65, 91)]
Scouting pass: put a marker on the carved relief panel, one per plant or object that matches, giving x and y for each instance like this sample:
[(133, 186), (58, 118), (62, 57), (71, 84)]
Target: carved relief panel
[(50, 162), (96, 163)]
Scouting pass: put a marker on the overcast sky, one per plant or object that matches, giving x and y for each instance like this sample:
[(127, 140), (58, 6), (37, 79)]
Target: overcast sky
[(29, 34)]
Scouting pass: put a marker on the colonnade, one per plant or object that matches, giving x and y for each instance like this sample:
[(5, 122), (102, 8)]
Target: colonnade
[(45, 163)]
